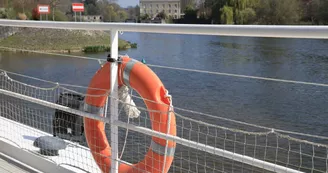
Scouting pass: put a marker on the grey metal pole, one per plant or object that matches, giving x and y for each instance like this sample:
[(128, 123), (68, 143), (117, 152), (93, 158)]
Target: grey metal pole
[(80, 16), (75, 16)]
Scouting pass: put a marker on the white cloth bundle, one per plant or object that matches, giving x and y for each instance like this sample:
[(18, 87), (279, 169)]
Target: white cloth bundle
[(128, 104)]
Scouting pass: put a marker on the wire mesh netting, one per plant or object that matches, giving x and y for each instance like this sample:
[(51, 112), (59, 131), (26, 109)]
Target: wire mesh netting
[(23, 121)]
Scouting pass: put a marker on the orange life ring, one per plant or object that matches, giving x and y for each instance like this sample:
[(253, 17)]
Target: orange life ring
[(142, 79)]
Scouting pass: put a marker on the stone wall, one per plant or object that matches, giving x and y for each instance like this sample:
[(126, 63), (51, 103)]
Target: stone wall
[(6, 31)]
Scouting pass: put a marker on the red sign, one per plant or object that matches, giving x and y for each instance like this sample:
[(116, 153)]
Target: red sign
[(78, 7), (43, 9)]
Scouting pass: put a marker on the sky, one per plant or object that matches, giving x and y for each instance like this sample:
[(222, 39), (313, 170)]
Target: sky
[(125, 3)]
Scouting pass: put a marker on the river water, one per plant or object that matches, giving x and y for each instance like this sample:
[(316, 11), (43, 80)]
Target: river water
[(287, 106)]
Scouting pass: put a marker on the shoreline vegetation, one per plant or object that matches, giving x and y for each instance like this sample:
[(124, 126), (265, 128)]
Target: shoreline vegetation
[(61, 41), (256, 12)]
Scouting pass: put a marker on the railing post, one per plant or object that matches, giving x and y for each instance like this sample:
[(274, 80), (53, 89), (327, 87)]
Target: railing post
[(113, 102)]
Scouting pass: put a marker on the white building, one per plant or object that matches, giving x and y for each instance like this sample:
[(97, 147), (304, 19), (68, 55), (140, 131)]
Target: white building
[(153, 7)]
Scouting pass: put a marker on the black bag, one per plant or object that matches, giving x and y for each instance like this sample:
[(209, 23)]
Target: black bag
[(67, 125)]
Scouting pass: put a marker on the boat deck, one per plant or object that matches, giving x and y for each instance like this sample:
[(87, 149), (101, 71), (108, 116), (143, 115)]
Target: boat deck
[(9, 166), (16, 141)]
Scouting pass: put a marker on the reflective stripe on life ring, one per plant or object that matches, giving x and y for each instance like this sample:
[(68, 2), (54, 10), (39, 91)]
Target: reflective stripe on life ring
[(159, 149), (127, 71), (141, 78), (93, 109)]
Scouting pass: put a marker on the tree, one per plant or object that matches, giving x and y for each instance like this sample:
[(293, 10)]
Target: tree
[(323, 15), (246, 16), (243, 11), (275, 12), (130, 10), (89, 2), (316, 11), (21, 5), (110, 14), (204, 11), (92, 9), (122, 15), (215, 7), (133, 12), (190, 13), (162, 15), (54, 4), (111, 11), (102, 7), (137, 11), (145, 17), (191, 3), (226, 15)]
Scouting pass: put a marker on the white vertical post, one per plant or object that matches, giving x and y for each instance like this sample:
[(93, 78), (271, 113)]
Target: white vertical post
[(113, 102)]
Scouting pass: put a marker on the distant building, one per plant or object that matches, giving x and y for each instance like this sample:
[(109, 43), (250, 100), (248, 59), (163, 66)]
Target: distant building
[(92, 18), (153, 7)]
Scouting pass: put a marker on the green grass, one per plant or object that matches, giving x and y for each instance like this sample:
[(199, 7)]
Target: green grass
[(102, 48), (61, 40), (96, 49)]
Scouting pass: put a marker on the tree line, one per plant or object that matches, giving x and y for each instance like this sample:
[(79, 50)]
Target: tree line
[(61, 10), (110, 10), (270, 12)]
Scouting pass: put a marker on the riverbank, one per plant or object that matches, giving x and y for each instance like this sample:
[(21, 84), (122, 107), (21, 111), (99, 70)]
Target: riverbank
[(55, 40)]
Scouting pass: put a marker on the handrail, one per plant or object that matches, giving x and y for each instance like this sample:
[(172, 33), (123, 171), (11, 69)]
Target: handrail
[(276, 31), (188, 143)]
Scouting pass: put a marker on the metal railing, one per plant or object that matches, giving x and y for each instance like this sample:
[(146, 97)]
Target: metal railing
[(313, 32), (282, 31), (188, 143)]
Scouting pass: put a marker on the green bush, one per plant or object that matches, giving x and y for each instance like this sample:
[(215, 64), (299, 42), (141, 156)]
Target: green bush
[(95, 49), (8, 13), (134, 45), (28, 15), (3, 13), (169, 19)]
